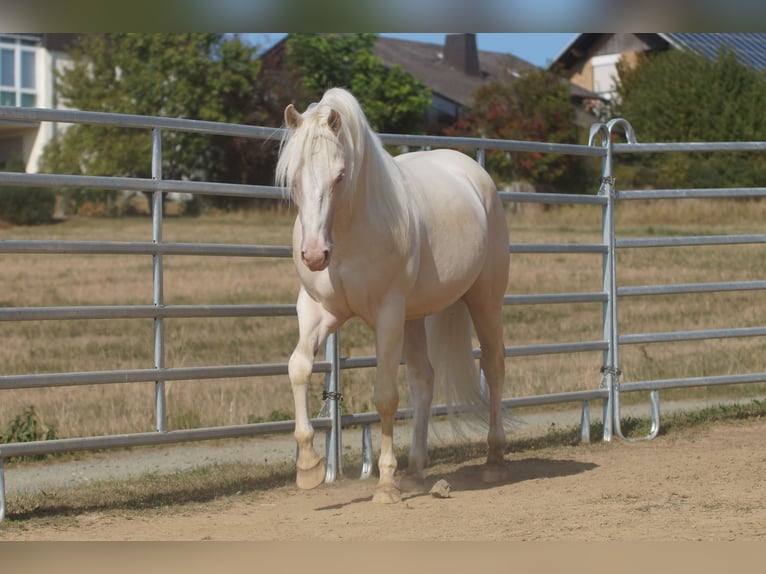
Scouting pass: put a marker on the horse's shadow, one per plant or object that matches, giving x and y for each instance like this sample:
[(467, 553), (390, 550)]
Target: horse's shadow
[(469, 477)]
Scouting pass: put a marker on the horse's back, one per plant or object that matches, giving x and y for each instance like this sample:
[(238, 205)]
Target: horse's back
[(453, 164), (451, 186)]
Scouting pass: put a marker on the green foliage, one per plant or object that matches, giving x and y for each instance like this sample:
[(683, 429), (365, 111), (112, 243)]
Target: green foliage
[(21, 205), (198, 76), (534, 106), (393, 100), (27, 427), (678, 96)]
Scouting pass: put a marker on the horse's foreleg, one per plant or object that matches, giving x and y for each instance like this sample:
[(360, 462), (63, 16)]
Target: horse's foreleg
[(389, 331), (314, 325), (420, 376)]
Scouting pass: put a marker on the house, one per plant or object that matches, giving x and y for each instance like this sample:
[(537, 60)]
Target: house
[(590, 60), (28, 63), (452, 72)]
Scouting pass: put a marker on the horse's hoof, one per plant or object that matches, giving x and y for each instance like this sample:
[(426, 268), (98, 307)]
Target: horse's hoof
[(495, 472), (387, 495), (308, 478), (412, 483)]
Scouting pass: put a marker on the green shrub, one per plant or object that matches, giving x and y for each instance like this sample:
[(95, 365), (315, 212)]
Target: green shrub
[(27, 427), (22, 205)]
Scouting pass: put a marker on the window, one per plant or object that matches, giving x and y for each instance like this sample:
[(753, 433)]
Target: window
[(17, 72)]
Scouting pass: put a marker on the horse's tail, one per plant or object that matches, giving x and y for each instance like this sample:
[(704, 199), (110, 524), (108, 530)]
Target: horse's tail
[(456, 374)]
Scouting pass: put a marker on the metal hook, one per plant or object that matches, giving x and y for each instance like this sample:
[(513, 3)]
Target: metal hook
[(654, 403), (607, 130), (630, 134)]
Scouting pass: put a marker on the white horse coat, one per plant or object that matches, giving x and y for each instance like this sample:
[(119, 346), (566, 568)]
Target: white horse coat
[(392, 241)]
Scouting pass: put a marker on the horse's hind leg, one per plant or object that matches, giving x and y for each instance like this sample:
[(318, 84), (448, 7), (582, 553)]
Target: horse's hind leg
[(420, 376), (485, 303), (314, 324)]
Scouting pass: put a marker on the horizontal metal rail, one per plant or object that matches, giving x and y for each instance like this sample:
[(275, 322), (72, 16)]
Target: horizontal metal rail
[(143, 312), (141, 184), (148, 375), (36, 448), (681, 288), (691, 241), (276, 134), (554, 298), (555, 398), (372, 417), (238, 371), (11, 113), (557, 248), (369, 361), (699, 193), (695, 335), (555, 348), (489, 144), (684, 383), (553, 198), (688, 147), (141, 248)]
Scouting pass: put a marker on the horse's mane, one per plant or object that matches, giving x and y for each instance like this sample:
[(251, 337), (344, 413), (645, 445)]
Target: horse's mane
[(370, 169)]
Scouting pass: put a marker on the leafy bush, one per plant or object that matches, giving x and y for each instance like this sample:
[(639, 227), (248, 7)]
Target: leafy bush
[(27, 427), (26, 205)]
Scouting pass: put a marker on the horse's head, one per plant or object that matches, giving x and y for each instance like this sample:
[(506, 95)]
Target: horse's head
[(312, 166)]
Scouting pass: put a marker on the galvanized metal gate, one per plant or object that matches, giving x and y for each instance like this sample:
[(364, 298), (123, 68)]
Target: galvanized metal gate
[(601, 144)]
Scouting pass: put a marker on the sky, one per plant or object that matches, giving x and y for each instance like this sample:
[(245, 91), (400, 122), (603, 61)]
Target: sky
[(539, 49)]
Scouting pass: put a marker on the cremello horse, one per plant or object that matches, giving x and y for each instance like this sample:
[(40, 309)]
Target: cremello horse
[(393, 241)]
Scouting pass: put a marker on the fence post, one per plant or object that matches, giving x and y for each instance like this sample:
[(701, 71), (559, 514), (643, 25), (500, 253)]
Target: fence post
[(614, 394), (157, 279), (610, 368), (332, 407), (610, 365)]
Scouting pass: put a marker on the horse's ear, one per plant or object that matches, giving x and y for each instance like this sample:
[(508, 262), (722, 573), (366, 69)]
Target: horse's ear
[(333, 121), (293, 119)]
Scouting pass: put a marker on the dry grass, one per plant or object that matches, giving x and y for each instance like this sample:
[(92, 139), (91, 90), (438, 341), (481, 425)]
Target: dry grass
[(61, 346)]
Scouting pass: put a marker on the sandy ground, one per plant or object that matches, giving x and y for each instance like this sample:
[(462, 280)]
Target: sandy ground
[(700, 484)]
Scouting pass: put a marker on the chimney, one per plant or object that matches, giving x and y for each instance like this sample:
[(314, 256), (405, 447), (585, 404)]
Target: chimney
[(460, 52)]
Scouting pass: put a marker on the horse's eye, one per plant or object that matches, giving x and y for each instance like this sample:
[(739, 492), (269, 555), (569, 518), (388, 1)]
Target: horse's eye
[(340, 177)]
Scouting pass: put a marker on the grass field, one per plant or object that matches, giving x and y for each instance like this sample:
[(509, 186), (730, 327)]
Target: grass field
[(67, 346)]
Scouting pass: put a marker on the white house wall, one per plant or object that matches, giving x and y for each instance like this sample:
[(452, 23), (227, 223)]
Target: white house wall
[(47, 63)]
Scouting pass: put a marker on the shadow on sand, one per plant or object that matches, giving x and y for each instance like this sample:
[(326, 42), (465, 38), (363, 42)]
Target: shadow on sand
[(469, 477)]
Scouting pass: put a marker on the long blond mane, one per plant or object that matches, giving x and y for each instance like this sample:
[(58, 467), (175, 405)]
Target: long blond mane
[(370, 169)]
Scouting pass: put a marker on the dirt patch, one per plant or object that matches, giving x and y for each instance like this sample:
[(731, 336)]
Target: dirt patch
[(700, 484)]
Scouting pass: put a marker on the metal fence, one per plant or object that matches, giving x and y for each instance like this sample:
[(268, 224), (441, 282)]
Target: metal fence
[(601, 145)]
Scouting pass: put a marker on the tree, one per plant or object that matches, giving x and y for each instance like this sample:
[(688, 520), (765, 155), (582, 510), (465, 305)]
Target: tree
[(198, 76), (393, 100), (678, 96), (534, 106)]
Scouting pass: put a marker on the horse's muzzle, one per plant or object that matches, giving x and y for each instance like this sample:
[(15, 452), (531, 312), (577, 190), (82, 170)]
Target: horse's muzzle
[(316, 260)]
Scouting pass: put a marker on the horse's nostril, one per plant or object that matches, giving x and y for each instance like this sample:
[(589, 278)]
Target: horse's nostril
[(316, 261)]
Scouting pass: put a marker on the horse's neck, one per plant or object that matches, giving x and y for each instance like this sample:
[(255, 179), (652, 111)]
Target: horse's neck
[(377, 207)]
